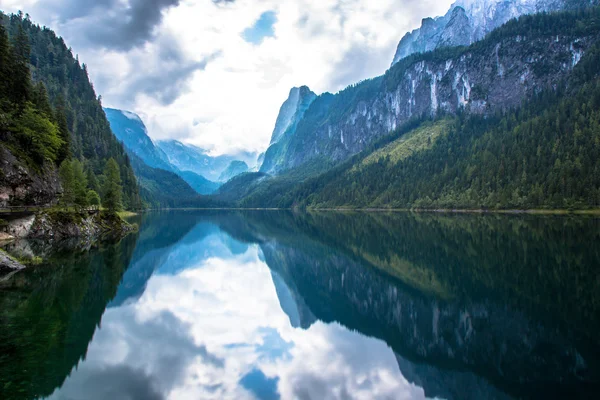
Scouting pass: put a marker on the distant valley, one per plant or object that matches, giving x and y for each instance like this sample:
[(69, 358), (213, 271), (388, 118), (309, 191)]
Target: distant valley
[(171, 167)]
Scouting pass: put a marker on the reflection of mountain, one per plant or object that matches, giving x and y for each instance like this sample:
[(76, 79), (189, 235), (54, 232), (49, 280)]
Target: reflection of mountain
[(451, 297), (448, 384), (292, 303), (159, 232), (49, 315), (204, 241), (169, 242)]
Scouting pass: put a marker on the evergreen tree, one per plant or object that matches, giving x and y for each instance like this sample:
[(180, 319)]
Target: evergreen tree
[(40, 100), (60, 116), (79, 184), (113, 192), (38, 135), (5, 69), (93, 199), (92, 181), (21, 80), (67, 181)]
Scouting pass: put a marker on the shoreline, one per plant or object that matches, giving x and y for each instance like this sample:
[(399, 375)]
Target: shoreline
[(593, 212)]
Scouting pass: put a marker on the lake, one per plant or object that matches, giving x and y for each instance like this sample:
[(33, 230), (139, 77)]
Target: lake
[(282, 305)]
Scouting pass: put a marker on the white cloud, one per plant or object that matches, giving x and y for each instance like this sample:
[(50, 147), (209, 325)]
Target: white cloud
[(196, 66)]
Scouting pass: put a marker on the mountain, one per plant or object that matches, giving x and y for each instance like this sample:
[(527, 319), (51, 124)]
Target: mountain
[(469, 21), (505, 123), (191, 158), (199, 183), (512, 64), (57, 114), (234, 169), (131, 131), (163, 188), (291, 113)]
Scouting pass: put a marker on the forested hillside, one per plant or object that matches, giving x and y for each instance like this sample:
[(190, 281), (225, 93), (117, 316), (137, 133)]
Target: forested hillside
[(542, 154), (55, 114), (511, 64)]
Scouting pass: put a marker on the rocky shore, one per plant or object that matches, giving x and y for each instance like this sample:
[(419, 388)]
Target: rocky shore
[(60, 225), (9, 264)]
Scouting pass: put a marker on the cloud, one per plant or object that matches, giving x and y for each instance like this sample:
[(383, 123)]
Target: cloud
[(228, 64), (108, 24)]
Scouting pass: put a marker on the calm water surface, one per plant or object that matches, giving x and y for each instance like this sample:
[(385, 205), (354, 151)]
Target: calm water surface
[(275, 305)]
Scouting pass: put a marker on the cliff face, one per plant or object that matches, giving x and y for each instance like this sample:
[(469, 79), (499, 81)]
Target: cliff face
[(468, 21), (291, 113), (21, 185), (495, 74), (131, 131)]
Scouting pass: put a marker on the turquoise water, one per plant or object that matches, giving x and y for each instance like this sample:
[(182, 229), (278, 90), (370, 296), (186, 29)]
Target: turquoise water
[(274, 305)]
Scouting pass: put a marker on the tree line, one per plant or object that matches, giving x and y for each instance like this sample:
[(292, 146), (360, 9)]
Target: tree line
[(49, 111)]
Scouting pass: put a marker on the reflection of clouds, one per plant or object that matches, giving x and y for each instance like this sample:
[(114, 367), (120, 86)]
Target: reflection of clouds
[(217, 330), (330, 362)]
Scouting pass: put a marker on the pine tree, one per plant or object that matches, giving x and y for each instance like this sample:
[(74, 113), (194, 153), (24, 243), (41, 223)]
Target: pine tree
[(66, 179), (60, 116), (5, 68), (92, 181), (41, 101), (113, 192), (79, 184), (93, 199), (21, 79)]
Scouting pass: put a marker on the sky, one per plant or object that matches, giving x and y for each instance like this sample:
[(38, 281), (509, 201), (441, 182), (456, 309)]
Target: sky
[(214, 73)]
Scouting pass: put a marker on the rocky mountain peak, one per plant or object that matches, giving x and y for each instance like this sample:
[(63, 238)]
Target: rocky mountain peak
[(468, 21), (298, 99)]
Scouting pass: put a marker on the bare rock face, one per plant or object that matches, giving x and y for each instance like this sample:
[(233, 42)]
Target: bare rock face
[(468, 21), (496, 75), (20, 227), (458, 31), (290, 114), (20, 185)]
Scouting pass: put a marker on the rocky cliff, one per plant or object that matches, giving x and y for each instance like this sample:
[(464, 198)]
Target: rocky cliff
[(131, 131), (468, 21), (21, 184), (291, 113), (498, 73)]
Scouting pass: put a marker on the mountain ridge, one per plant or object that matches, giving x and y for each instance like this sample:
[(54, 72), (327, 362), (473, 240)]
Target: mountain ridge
[(469, 21)]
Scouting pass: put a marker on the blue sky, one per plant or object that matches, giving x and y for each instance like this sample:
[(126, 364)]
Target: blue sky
[(262, 29)]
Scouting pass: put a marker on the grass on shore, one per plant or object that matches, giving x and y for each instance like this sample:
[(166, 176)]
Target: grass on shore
[(126, 214)]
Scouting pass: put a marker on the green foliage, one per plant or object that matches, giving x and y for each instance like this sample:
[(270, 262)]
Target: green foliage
[(79, 184), (75, 185), (67, 181), (92, 181), (37, 135), (113, 191), (61, 93), (93, 199)]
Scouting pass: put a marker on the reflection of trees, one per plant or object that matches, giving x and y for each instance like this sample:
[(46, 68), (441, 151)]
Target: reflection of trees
[(514, 299), (49, 314)]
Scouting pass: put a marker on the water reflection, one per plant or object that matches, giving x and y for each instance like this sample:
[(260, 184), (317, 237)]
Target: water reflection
[(276, 305)]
